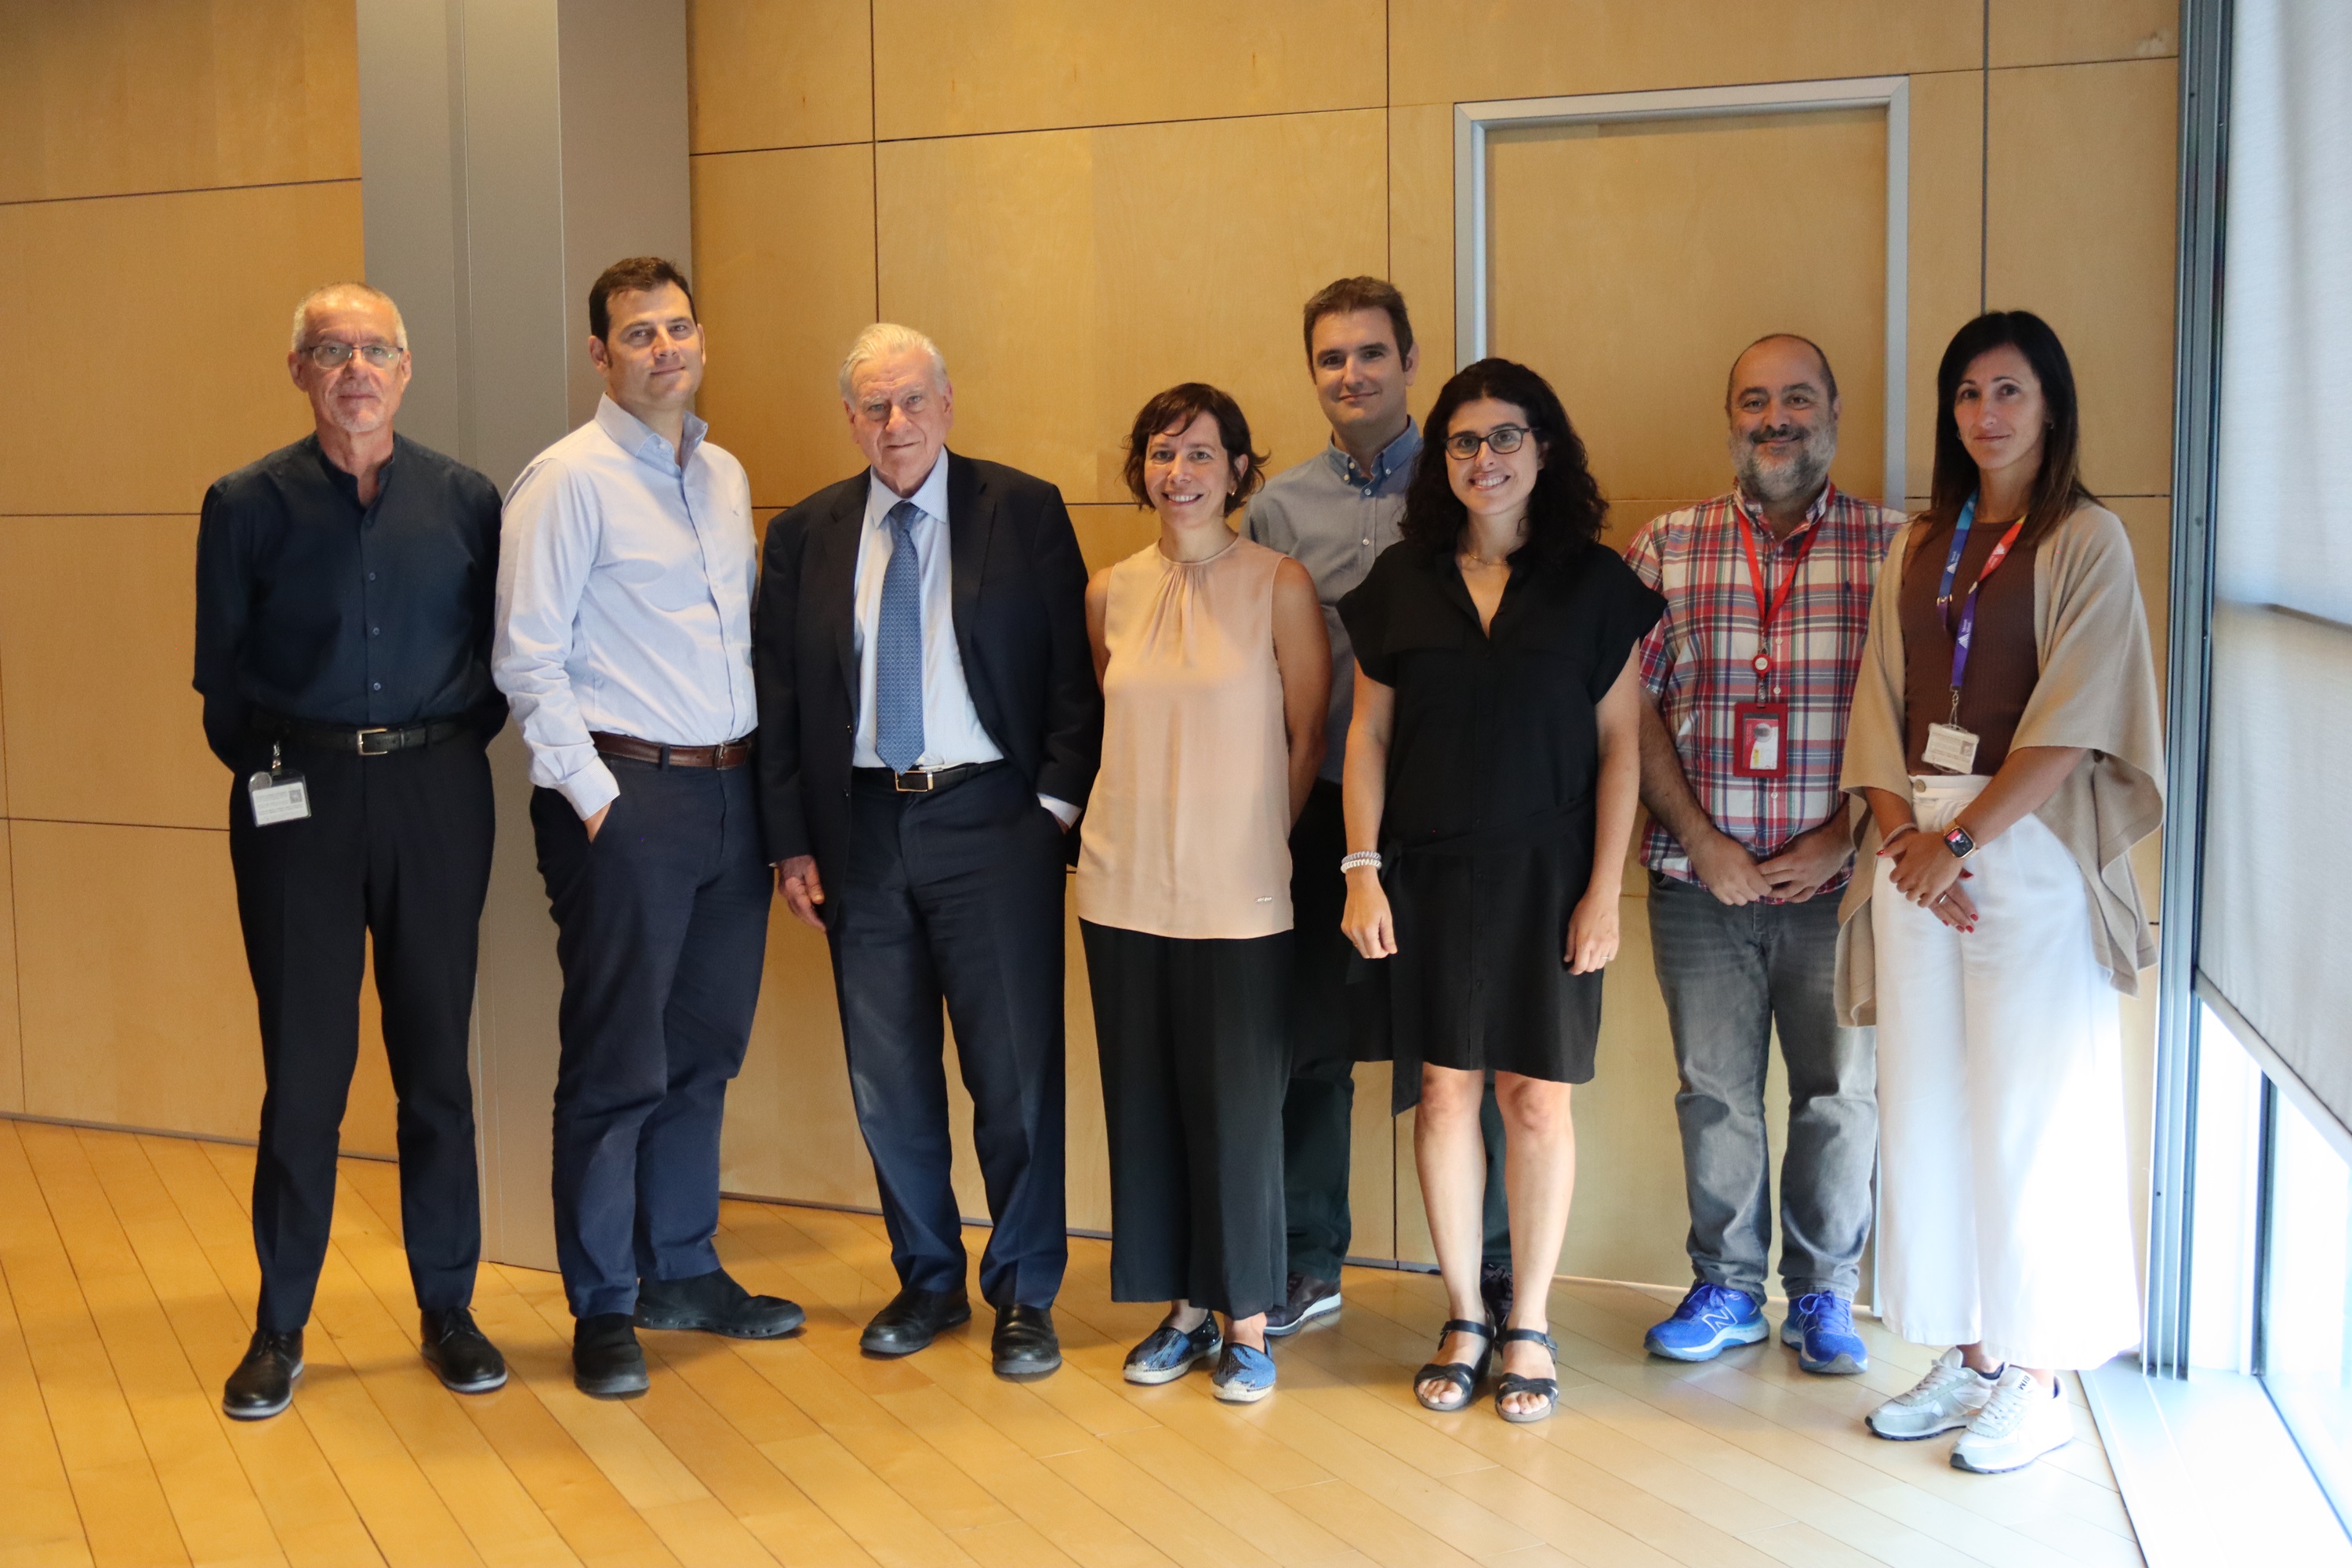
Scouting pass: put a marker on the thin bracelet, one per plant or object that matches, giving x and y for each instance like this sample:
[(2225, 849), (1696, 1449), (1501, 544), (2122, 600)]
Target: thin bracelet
[(1361, 857), (1900, 830)]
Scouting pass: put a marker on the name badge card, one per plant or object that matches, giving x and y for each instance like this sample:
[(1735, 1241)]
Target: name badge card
[(1760, 740), (277, 797), (1949, 747)]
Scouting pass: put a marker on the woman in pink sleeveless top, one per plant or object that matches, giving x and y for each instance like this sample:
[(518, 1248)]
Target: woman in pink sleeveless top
[(1216, 672)]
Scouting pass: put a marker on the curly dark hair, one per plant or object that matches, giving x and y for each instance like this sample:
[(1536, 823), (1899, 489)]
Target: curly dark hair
[(1173, 410), (1566, 509)]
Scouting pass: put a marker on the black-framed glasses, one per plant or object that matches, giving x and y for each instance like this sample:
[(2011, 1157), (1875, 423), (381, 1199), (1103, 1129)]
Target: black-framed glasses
[(1503, 440), (334, 356)]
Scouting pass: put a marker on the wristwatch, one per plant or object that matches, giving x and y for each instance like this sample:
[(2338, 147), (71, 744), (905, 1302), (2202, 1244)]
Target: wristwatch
[(1957, 841)]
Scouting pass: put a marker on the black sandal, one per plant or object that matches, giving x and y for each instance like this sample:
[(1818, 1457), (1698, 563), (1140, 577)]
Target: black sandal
[(1513, 1383), (1465, 1378)]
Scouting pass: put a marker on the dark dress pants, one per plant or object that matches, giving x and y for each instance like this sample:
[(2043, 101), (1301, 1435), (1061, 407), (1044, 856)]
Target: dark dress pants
[(396, 847), (958, 898), (1191, 1034), (661, 928)]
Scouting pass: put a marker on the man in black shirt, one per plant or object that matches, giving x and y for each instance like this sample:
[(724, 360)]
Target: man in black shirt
[(343, 599)]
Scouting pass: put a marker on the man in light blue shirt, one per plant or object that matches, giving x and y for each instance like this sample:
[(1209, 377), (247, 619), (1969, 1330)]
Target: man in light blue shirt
[(623, 645)]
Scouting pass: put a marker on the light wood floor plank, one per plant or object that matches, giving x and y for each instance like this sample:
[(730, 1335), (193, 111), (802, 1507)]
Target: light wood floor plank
[(40, 1522)]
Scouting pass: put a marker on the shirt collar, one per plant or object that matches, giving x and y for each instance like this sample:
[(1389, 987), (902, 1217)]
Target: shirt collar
[(642, 441), (930, 497), (1814, 513), (347, 485), (1395, 458)]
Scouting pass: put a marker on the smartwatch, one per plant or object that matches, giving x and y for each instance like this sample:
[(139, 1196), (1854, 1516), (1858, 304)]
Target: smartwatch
[(1957, 841)]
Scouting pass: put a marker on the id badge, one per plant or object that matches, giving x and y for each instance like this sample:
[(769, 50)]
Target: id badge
[(277, 797), (1950, 748), (1760, 740)]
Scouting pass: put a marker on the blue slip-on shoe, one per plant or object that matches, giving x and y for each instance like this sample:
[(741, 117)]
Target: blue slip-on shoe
[(1245, 1376), (1167, 1355), (1819, 1325), (1711, 1319)]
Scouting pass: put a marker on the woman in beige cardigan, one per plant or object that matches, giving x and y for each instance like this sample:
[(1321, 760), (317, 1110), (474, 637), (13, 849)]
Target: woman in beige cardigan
[(2005, 739)]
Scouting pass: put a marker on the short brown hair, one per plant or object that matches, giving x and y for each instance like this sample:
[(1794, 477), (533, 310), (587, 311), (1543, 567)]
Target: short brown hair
[(1175, 409), (641, 274), (1349, 295)]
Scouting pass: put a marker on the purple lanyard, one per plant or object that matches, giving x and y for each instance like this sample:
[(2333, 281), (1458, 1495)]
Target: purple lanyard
[(1967, 628)]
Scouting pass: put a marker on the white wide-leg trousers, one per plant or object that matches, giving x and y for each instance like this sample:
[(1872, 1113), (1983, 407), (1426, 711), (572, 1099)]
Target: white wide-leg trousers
[(2004, 1215)]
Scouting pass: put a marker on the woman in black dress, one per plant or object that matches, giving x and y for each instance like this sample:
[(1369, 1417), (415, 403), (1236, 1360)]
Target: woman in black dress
[(1490, 781)]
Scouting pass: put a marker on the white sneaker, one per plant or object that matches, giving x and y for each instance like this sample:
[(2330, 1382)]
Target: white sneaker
[(1945, 1400), (2017, 1425)]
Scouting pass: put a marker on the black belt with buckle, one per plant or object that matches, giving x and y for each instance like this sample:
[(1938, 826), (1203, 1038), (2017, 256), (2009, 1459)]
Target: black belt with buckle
[(923, 781), (378, 740)]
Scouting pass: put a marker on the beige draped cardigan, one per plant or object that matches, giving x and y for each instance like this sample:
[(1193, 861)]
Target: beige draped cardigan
[(2097, 691)]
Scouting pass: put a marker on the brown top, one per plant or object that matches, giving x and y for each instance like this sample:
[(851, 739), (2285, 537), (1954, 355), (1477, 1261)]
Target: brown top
[(2003, 663), (1187, 832)]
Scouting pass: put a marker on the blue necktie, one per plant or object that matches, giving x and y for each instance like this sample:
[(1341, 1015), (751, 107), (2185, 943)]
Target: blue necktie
[(898, 648)]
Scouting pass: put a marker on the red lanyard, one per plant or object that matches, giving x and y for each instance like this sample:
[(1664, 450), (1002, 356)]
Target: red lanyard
[(1767, 608)]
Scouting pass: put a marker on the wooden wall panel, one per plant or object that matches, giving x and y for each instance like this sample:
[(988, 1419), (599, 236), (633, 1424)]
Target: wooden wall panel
[(1113, 530), (1441, 51), (97, 624), (778, 73), (2037, 32), (2080, 170), (180, 307), (1064, 284), (1628, 267), (956, 68), (136, 1005), (1946, 247), (167, 95), (12, 1059), (1421, 237)]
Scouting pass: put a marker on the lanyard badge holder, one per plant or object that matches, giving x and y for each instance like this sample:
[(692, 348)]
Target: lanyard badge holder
[(278, 795), (1759, 730), (1950, 746)]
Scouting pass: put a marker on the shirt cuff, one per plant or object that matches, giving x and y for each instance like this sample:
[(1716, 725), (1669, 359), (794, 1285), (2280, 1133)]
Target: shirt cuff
[(1064, 812), (592, 789)]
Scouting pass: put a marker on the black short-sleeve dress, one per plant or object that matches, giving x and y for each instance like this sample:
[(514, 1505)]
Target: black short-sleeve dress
[(1487, 836)]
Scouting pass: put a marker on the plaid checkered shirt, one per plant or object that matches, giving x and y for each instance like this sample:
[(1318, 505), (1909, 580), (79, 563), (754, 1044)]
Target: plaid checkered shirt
[(1698, 661)]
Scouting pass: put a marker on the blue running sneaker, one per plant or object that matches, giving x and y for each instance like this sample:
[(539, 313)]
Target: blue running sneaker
[(1821, 1326), (1711, 1319)]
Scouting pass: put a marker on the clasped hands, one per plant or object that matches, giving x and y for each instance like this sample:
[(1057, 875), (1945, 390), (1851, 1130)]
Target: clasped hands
[(1793, 875), (1928, 873)]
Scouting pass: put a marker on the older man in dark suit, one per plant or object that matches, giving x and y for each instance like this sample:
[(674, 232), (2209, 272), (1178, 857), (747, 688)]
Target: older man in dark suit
[(929, 727)]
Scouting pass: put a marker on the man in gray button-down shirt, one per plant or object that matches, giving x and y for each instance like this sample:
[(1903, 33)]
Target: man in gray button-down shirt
[(1333, 513)]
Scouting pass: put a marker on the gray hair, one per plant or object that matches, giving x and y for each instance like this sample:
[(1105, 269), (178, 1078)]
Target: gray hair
[(302, 311), (881, 341)]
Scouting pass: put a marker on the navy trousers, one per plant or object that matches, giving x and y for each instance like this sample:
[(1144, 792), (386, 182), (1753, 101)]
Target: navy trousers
[(662, 927), (957, 897)]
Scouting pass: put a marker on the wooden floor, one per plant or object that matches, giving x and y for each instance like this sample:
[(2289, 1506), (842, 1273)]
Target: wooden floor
[(130, 1287)]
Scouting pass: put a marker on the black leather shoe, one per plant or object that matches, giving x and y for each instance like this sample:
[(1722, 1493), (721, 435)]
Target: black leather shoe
[(912, 1320), (1025, 1345), (263, 1382), (461, 1354), (1494, 1288), (714, 1304), (1305, 1298), (605, 1360)]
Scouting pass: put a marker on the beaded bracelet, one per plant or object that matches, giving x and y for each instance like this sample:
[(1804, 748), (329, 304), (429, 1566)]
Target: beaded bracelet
[(1361, 857)]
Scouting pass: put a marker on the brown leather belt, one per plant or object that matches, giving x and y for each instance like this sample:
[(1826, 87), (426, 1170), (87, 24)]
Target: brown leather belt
[(730, 754)]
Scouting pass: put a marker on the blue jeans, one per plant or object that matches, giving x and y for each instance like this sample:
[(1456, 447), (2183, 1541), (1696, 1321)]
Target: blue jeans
[(1730, 975)]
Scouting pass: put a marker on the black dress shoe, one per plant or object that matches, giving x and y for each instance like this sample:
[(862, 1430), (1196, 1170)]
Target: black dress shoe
[(1304, 1298), (263, 1382), (912, 1320), (605, 1360), (1025, 1345), (714, 1304), (463, 1356)]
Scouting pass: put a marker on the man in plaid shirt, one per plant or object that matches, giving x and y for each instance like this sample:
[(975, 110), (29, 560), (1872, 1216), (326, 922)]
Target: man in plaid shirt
[(1750, 676)]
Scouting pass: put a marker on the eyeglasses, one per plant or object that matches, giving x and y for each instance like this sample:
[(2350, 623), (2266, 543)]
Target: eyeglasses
[(1503, 440), (334, 356)]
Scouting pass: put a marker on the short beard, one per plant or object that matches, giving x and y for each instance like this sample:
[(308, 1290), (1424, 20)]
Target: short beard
[(1802, 475)]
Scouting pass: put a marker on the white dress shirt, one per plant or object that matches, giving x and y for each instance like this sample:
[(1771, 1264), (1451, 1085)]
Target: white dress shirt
[(624, 599)]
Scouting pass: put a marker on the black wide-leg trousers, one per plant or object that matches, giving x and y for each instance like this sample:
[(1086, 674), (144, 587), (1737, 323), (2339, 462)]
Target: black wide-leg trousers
[(1194, 1065), (661, 929), (396, 847)]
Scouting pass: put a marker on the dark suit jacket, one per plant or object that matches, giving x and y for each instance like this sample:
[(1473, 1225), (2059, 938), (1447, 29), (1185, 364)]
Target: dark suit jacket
[(1019, 591)]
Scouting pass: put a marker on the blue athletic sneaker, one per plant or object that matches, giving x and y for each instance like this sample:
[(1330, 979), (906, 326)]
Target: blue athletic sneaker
[(1711, 1319), (1821, 1327)]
